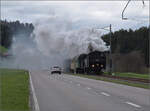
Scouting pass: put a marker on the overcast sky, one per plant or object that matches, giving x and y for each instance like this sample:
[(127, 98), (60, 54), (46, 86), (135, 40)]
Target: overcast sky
[(79, 14)]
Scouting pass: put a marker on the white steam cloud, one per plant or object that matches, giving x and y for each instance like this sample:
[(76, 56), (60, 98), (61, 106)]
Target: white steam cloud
[(56, 36), (53, 41)]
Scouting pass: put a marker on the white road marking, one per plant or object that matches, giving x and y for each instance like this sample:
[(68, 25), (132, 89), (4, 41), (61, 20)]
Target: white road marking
[(78, 84), (105, 94), (88, 88), (132, 104), (36, 107)]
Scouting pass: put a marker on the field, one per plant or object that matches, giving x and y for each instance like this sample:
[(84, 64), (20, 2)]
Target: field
[(14, 87)]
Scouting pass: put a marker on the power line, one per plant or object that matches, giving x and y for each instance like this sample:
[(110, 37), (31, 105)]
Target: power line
[(124, 18)]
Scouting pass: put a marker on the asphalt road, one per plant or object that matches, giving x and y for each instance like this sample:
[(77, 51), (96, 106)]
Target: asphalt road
[(71, 93)]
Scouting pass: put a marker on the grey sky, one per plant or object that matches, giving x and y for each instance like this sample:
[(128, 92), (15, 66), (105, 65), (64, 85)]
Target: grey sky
[(80, 13)]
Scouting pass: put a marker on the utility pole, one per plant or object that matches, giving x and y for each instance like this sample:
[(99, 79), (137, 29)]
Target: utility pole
[(110, 54), (110, 51)]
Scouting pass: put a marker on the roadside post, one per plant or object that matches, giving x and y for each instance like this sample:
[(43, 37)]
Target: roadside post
[(110, 70)]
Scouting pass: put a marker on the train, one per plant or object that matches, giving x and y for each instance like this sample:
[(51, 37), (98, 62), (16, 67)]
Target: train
[(91, 63)]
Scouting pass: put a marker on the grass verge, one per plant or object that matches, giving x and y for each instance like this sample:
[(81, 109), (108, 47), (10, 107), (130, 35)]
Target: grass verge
[(14, 87), (2, 49), (132, 75), (146, 86)]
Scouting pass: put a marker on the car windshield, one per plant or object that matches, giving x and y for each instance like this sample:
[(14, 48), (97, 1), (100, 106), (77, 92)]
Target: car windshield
[(56, 67)]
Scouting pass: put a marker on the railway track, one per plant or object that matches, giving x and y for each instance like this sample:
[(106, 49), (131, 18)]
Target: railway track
[(127, 78)]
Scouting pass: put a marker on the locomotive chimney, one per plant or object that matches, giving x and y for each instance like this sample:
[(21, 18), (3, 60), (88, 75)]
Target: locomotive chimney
[(90, 47)]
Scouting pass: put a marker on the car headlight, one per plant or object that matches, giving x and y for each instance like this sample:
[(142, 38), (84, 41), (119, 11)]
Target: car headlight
[(93, 65)]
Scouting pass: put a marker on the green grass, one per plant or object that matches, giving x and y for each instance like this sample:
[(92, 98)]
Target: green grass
[(146, 86), (14, 87), (132, 75), (2, 49)]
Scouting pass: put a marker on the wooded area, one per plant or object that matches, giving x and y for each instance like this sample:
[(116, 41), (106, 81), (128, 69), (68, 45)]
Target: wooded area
[(130, 49), (10, 29)]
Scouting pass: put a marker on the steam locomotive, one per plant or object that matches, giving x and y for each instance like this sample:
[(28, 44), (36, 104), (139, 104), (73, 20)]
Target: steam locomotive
[(92, 63)]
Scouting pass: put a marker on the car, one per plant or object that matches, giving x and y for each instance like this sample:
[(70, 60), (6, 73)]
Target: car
[(56, 70)]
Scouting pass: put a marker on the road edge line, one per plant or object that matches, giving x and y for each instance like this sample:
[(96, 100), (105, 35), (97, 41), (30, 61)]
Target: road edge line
[(35, 106)]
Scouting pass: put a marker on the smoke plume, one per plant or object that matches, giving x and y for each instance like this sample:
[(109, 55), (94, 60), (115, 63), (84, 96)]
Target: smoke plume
[(54, 40), (56, 36)]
